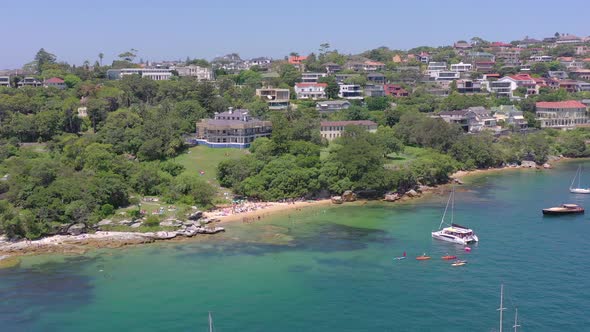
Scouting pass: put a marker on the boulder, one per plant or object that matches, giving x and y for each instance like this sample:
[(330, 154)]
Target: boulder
[(547, 166), (195, 215), (170, 223), (165, 235), (337, 199), (392, 197), (126, 222), (77, 229), (412, 193), (349, 196), (105, 222), (528, 163), (135, 225)]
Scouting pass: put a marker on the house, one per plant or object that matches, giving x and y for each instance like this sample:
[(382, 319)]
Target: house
[(521, 80), (501, 88), (5, 81), (561, 114), (397, 59), (551, 83), (528, 42), (29, 81), (231, 129), (558, 74), (461, 67), (581, 74), (277, 99), (55, 82), (373, 66), (462, 45), (510, 115), (582, 86), (481, 56), (568, 39), (510, 57), (332, 105), (500, 45), (330, 130), (230, 62), (297, 60), (541, 58), (423, 57), (262, 62), (312, 77), (374, 90), (201, 73), (473, 119), (484, 66), (340, 78), (446, 75), (156, 74), (311, 90), (435, 67), (568, 85), (376, 78), (332, 67), (582, 50), (395, 90), (355, 65), (468, 86), (350, 91)]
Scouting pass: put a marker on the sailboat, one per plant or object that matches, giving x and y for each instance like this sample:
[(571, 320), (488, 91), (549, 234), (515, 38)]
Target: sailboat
[(455, 233), (578, 189)]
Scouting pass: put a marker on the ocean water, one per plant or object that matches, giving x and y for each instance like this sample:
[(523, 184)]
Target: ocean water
[(331, 269)]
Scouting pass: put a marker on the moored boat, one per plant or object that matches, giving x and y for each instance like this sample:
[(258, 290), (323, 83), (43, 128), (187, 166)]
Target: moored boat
[(564, 209), (423, 257), (455, 233), (448, 257), (578, 189)]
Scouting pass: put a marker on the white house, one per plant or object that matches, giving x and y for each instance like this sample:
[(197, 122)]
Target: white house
[(201, 73), (461, 67), (311, 90)]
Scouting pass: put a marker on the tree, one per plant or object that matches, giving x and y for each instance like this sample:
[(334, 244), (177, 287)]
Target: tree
[(332, 89), (71, 80), (128, 56), (289, 75), (44, 58)]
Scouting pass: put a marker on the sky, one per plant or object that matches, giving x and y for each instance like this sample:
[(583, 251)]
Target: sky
[(77, 30)]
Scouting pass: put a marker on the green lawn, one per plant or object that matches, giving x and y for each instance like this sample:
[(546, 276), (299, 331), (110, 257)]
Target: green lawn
[(202, 158), (410, 153)]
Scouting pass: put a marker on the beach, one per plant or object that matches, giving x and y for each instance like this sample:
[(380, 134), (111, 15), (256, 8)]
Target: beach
[(250, 212)]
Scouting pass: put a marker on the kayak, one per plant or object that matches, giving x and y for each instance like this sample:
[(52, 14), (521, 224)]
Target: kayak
[(448, 257), (459, 263), (423, 258), (399, 258)]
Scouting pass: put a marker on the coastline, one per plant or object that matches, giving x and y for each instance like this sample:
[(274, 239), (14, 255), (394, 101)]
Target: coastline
[(79, 244)]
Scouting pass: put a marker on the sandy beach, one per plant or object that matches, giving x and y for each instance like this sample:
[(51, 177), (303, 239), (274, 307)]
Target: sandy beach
[(259, 210)]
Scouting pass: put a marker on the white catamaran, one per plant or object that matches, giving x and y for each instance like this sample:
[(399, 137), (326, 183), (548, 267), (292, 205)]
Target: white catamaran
[(578, 189), (455, 233)]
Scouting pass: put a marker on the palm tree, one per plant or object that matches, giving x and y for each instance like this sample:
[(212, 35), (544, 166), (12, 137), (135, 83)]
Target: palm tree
[(100, 56)]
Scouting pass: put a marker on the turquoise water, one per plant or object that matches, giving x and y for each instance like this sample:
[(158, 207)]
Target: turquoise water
[(331, 269)]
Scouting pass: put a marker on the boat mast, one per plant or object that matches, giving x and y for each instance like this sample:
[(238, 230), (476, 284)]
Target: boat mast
[(501, 309), (516, 326), (453, 206), (446, 208), (210, 322)]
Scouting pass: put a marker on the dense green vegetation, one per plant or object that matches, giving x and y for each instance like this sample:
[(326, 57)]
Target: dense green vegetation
[(101, 145)]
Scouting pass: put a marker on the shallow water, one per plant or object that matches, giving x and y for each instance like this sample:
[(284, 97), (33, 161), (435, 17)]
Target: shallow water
[(331, 269)]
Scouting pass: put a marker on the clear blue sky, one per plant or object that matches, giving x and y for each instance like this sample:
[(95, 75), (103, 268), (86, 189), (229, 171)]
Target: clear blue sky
[(77, 30)]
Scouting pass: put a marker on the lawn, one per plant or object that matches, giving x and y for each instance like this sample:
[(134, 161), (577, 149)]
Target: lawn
[(395, 160)]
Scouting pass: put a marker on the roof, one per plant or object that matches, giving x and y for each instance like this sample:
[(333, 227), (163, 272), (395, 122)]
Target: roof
[(303, 85), (501, 44), (334, 102), (560, 104), (521, 77), (569, 37), (55, 80), (454, 113), (374, 63), (348, 123)]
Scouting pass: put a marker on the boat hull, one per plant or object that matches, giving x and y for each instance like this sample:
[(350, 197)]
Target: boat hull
[(453, 239), (557, 213), (580, 190)]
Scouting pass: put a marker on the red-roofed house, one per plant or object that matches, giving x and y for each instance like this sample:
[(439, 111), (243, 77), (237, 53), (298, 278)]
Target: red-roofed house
[(55, 82), (521, 81), (333, 129), (296, 59), (500, 44), (311, 90), (561, 114), (395, 90), (484, 66), (374, 65), (568, 85)]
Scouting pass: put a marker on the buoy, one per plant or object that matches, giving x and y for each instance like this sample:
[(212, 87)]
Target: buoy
[(467, 249)]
